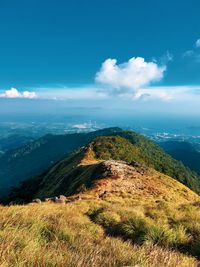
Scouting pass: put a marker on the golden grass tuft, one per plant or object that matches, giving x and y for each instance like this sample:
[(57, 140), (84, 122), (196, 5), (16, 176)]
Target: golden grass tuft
[(63, 235)]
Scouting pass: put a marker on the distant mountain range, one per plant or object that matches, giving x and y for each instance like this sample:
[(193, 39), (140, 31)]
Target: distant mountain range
[(13, 142), (185, 152)]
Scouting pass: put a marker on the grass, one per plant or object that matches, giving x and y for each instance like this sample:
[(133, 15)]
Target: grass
[(64, 235), (166, 224), (128, 146), (144, 219)]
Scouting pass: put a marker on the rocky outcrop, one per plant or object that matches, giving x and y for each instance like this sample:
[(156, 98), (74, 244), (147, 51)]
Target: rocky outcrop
[(37, 200), (120, 169), (60, 200)]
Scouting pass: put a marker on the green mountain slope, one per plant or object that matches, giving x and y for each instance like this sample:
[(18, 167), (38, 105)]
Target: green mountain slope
[(13, 142), (184, 152), (154, 156), (111, 197), (83, 167), (33, 159)]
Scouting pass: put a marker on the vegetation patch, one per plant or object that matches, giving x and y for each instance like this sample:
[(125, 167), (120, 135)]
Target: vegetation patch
[(142, 230)]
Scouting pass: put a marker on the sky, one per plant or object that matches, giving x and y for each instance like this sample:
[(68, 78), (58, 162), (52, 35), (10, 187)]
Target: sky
[(133, 54)]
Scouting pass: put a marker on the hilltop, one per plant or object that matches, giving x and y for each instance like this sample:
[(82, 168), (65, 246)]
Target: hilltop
[(67, 175), (33, 158), (38, 156), (118, 211)]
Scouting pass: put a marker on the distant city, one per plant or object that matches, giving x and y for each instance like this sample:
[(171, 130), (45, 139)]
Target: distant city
[(26, 132)]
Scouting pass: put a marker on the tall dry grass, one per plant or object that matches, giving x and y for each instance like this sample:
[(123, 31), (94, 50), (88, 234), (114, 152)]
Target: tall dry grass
[(50, 235)]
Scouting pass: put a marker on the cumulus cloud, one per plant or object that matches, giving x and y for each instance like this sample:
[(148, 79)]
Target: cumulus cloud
[(14, 93), (27, 94), (131, 75)]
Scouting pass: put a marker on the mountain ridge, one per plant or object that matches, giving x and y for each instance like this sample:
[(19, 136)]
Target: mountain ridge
[(114, 208), (82, 168)]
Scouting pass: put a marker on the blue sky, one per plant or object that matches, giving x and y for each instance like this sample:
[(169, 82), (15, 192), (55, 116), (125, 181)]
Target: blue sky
[(127, 51)]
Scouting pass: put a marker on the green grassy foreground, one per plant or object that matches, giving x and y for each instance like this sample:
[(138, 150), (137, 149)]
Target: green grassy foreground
[(74, 235)]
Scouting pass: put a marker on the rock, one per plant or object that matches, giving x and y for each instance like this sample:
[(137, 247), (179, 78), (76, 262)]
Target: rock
[(37, 200), (62, 199), (112, 168), (141, 168), (49, 199), (136, 164)]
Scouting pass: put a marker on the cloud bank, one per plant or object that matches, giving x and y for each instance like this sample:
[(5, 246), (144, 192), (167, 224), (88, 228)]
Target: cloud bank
[(98, 94), (131, 80), (14, 93), (131, 75)]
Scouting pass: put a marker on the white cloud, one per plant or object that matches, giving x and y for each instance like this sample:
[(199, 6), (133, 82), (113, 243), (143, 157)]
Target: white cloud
[(163, 94), (75, 93), (82, 126), (14, 93), (131, 75), (188, 53), (197, 44), (98, 94), (27, 94), (167, 93)]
